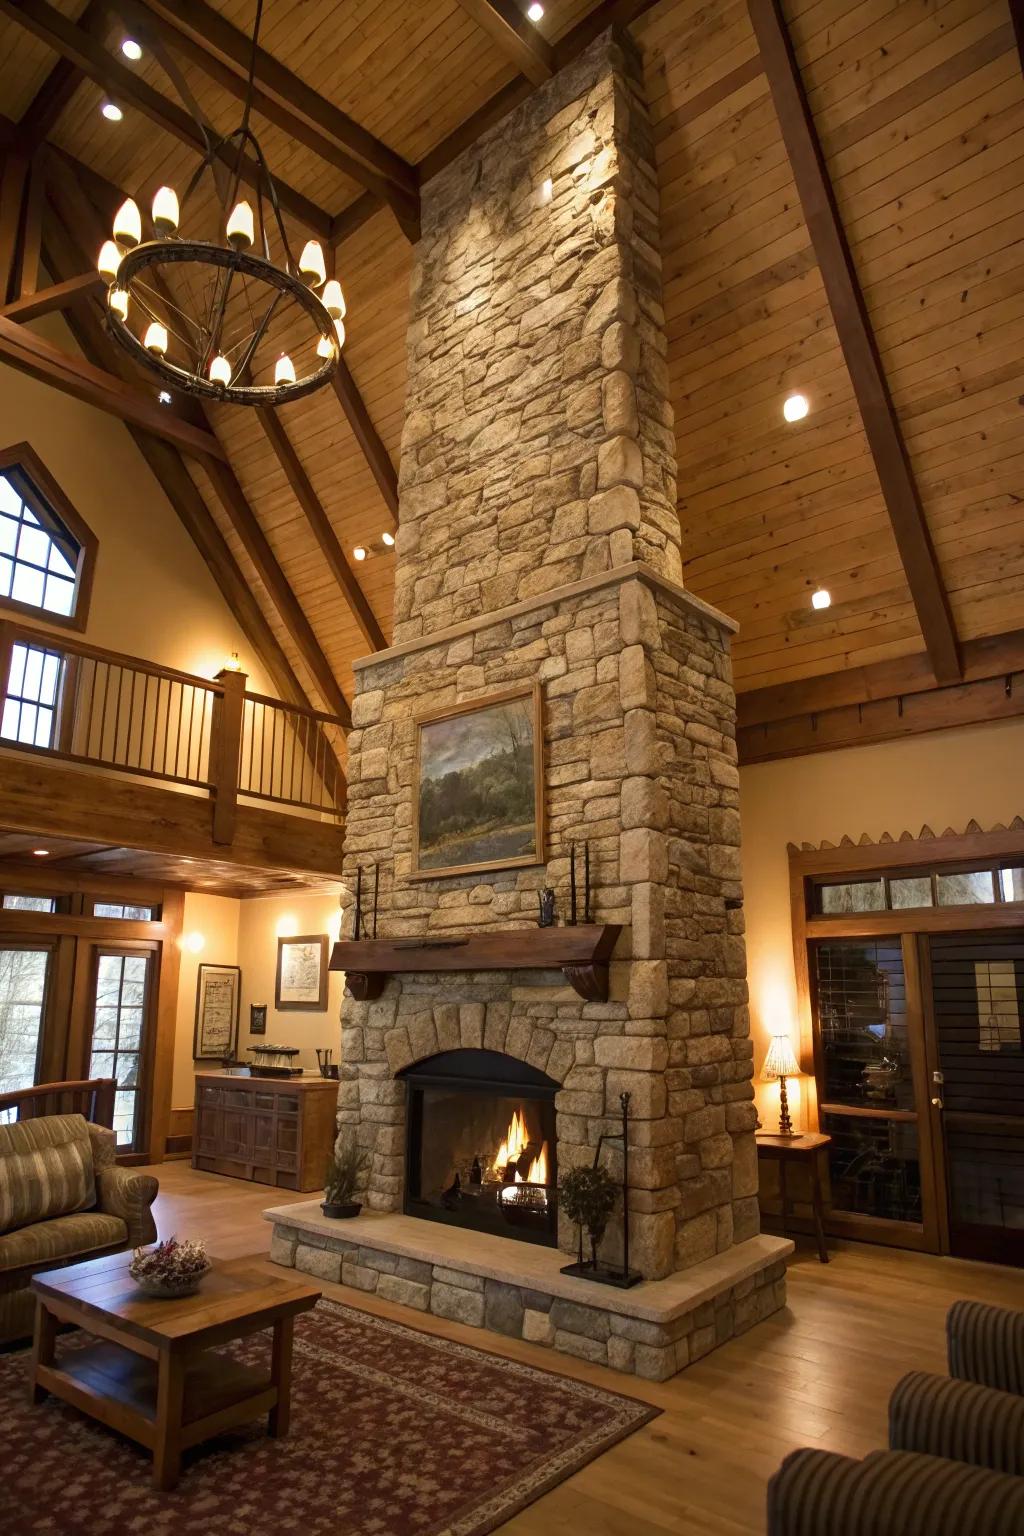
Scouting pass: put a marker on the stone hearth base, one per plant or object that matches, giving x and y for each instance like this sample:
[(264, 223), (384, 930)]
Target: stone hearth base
[(654, 1330)]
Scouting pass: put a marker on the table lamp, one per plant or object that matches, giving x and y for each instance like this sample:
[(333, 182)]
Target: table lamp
[(781, 1063)]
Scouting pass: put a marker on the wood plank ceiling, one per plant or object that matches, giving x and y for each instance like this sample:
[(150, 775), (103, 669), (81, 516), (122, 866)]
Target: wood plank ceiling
[(895, 147)]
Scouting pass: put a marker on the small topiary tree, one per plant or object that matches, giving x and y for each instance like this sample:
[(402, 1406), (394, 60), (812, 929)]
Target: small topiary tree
[(587, 1197)]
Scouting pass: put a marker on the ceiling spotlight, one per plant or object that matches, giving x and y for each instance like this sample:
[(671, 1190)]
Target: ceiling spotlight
[(41, 853), (359, 553), (131, 50), (822, 598), (535, 11), (795, 407), (112, 112), (388, 539)]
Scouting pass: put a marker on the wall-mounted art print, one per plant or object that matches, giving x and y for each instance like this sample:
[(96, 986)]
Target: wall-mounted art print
[(218, 989), (302, 973), (257, 1018), (478, 786)]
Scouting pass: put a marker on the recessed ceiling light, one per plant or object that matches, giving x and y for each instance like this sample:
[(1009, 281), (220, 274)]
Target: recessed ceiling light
[(112, 112), (359, 553), (131, 50), (535, 11), (388, 539), (822, 598), (795, 407), (165, 397), (41, 853)]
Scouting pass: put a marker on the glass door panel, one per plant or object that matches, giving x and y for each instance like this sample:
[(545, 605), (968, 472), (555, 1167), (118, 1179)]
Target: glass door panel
[(119, 1009), (977, 986), (24, 979)]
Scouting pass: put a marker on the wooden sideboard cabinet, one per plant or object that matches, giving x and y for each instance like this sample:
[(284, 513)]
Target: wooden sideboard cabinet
[(272, 1130)]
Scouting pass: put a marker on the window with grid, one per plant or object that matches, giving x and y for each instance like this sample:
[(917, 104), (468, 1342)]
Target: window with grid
[(117, 1035), (15, 903), (39, 556), (32, 700), (123, 909)]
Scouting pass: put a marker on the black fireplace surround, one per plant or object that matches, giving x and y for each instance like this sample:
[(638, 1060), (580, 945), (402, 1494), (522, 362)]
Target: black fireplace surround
[(480, 1145)]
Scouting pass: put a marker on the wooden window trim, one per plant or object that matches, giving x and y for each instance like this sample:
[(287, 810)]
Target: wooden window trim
[(22, 464)]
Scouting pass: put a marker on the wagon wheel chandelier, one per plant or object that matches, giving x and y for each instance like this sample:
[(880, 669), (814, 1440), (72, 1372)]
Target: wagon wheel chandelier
[(223, 317)]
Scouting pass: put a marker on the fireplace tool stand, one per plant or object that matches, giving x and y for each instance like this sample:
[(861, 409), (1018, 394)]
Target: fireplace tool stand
[(593, 1269)]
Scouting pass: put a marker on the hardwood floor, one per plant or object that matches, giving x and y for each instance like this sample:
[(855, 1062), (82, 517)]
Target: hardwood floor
[(819, 1373)]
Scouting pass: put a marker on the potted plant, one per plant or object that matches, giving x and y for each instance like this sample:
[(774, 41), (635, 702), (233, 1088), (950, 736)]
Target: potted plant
[(345, 1167), (170, 1269), (587, 1196)]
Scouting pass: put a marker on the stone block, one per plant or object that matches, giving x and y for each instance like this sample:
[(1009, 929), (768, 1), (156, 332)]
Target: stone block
[(638, 687), (618, 403), (359, 1276), (408, 1293), (320, 1262), (466, 1282), (643, 856), (637, 1053), (282, 1246), (619, 462), (621, 1354), (638, 616), (575, 1318), (582, 1347), (503, 1308), (457, 1304), (615, 508), (538, 1328), (654, 1362)]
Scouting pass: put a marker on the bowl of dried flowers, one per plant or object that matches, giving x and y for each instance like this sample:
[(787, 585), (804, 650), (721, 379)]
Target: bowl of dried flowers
[(170, 1269)]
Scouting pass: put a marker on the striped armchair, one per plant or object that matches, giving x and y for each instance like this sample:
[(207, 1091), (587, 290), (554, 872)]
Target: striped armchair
[(986, 1345), (62, 1199)]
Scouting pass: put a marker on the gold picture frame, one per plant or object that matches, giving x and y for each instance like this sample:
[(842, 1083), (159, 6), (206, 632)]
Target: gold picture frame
[(509, 736)]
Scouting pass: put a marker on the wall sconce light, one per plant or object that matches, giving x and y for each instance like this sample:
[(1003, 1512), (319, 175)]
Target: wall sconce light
[(779, 1064), (194, 942), (382, 546)]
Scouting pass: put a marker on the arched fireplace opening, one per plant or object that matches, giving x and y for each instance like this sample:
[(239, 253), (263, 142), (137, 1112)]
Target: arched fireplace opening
[(481, 1148)]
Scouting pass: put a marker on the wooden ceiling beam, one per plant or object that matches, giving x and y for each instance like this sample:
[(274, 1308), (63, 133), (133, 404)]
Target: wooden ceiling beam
[(13, 182), (26, 352), (321, 526), (515, 35), (148, 24), (217, 37), (58, 296), (842, 288), (366, 435), (43, 112), (89, 55)]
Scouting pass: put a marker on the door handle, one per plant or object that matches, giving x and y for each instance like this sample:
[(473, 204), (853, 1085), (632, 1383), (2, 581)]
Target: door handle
[(936, 1103)]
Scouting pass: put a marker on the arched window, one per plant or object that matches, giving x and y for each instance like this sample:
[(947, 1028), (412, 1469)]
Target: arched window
[(46, 550)]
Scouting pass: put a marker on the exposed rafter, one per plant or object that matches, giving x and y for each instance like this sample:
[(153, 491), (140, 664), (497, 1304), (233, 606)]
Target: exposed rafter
[(89, 55), (515, 35), (881, 425), (30, 305), (218, 38), (148, 24), (40, 117), (321, 526), (13, 181), (367, 436)]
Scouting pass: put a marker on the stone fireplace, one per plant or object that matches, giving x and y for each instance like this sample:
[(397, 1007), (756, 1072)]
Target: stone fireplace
[(539, 542)]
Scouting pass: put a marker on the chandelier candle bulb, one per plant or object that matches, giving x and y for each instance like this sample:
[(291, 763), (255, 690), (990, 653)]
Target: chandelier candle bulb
[(128, 223), (334, 299), (220, 371), (311, 264), (325, 347), (165, 210), (117, 298), (109, 260), (284, 373), (155, 339), (339, 331), (240, 228)]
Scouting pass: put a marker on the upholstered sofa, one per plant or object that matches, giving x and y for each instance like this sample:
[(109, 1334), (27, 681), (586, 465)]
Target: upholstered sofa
[(62, 1200)]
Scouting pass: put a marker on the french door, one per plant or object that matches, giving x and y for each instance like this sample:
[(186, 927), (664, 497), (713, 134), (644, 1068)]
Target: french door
[(26, 968), (919, 1059)]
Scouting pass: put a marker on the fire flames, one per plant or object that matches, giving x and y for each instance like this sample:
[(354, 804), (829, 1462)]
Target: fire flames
[(516, 1142)]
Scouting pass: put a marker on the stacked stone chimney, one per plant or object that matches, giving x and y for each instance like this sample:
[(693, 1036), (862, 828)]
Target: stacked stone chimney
[(539, 541)]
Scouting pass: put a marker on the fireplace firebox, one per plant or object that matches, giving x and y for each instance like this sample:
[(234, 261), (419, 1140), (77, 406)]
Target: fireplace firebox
[(480, 1144)]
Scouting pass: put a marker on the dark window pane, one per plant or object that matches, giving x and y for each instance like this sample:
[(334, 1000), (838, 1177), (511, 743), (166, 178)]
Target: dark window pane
[(912, 891), (873, 1165), (857, 896), (860, 1002), (986, 1178), (964, 890)]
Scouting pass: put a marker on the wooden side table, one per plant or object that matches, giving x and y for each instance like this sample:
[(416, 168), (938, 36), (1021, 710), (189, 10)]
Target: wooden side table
[(152, 1372), (808, 1150)]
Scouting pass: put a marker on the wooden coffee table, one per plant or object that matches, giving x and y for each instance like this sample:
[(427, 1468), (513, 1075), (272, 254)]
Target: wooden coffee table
[(152, 1372)]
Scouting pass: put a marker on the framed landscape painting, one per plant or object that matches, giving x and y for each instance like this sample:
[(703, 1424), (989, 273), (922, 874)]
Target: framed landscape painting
[(478, 786)]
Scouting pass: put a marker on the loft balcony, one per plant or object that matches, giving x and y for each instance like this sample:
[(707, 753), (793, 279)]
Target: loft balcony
[(123, 753)]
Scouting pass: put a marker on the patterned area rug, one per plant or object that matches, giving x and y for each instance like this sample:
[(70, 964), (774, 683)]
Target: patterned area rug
[(393, 1433)]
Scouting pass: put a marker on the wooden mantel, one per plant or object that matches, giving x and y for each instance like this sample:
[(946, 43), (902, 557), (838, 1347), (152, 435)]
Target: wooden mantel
[(581, 952)]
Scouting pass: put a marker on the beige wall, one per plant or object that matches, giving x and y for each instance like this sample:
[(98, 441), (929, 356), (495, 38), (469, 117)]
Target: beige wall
[(245, 933), (941, 780), (153, 595)]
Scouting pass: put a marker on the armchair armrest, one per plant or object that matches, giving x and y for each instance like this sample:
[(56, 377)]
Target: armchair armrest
[(940, 1416), (130, 1195), (986, 1345)]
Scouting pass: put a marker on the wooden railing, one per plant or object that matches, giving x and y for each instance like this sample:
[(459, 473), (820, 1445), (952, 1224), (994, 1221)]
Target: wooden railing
[(92, 1097), (62, 698)]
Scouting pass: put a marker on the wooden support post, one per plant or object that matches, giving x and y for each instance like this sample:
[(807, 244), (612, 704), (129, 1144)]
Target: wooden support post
[(12, 192), (225, 750)]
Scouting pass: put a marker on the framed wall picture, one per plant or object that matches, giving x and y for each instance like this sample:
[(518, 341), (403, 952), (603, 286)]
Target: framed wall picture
[(257, 1018), (302, 973), (478, 786), (217, 993)]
